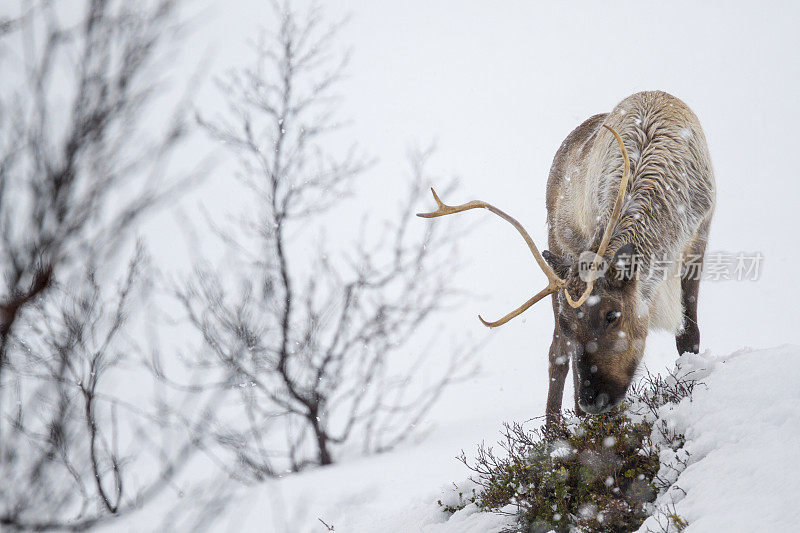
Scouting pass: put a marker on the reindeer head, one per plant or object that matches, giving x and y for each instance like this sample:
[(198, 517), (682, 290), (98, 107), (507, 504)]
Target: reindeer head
[(604, 331), (605, 335)]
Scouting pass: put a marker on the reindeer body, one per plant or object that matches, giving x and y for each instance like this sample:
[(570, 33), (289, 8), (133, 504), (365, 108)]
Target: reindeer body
[(665, 214), (634, 190)]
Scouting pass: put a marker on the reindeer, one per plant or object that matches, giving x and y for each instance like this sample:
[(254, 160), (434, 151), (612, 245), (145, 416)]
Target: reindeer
[(647, 217)]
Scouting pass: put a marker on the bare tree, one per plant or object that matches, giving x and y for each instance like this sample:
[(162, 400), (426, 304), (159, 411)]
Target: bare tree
[(308, 343), (80, 165)]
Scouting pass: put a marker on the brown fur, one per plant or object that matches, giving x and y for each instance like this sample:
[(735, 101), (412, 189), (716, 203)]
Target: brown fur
[(666, 212)]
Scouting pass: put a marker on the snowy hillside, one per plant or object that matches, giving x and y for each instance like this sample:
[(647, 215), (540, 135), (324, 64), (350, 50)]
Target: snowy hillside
[(742, 429)]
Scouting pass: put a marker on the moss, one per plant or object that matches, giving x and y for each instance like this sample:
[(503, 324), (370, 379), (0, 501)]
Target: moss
[(677, 521)]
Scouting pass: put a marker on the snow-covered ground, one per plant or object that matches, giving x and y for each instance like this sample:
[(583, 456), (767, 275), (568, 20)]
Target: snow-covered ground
[(742, 428)]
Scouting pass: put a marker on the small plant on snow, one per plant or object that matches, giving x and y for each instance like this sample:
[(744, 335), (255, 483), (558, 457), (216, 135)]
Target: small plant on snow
[(597, 473)]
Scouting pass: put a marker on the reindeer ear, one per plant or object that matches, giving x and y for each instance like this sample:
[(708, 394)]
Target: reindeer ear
[(624, 265), (558, 263)]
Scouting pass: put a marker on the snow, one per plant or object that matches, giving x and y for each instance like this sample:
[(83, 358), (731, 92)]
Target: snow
[(743, 439), (396, 491), (741, 472)]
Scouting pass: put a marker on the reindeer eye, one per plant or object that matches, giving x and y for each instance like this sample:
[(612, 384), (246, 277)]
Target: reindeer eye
[(612, 316)]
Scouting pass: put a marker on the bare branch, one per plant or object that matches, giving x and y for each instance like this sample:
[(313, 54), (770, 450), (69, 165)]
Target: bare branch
[(80, 165), (315, 347)]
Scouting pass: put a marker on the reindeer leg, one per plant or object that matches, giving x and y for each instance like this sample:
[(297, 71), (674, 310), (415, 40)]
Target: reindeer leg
[(559, 365), (689, 339), (576, 387)]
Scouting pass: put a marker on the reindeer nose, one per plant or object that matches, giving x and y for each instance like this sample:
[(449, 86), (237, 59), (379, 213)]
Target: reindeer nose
[(593, 403)]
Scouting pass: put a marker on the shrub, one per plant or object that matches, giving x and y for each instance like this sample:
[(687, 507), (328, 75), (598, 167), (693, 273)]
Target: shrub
[(596, 473)]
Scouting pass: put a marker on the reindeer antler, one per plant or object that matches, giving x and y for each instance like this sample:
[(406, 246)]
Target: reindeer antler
[(555, 283), (601, 250)]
